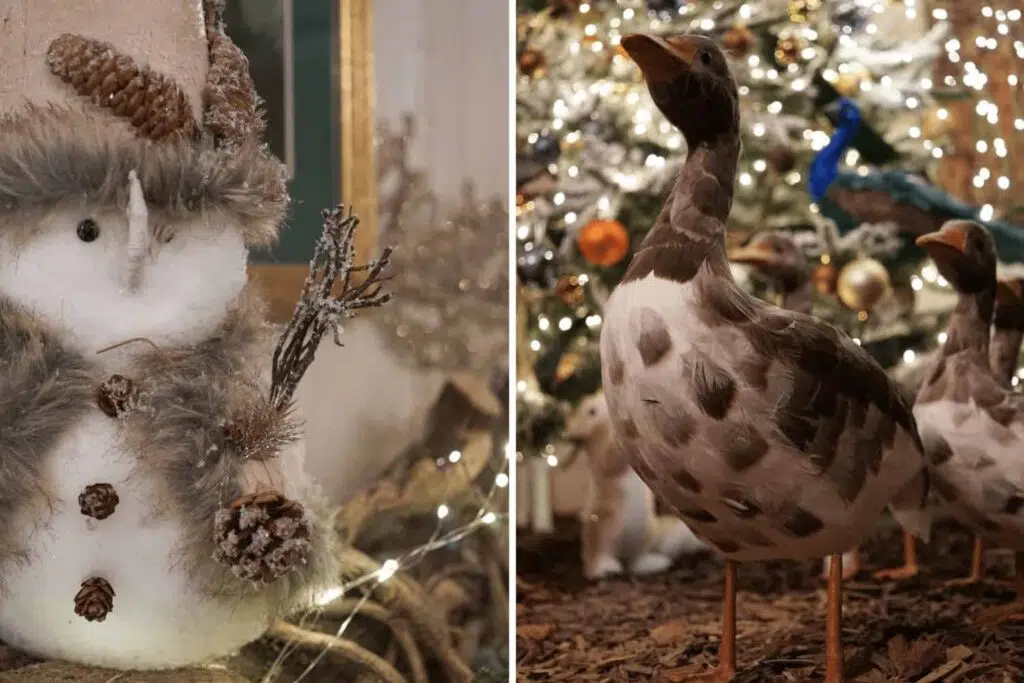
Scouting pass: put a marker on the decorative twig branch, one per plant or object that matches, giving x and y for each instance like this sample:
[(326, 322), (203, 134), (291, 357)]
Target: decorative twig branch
[(319, 308)]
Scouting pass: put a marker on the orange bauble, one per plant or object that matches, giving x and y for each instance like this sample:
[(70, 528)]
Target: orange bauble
[(603, 242)]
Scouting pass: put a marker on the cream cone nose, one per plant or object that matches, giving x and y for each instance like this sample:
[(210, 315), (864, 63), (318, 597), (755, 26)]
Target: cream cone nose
[(139, 236)]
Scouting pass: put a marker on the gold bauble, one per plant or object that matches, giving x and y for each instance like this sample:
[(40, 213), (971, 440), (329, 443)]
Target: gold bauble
[(800, 10), (788, 49), (862, 283)]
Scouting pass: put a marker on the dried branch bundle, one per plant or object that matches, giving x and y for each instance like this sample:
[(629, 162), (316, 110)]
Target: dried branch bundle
[(319, 309)]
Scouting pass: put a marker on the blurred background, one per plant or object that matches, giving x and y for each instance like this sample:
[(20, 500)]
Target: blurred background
[(865, 124), (406, 423)]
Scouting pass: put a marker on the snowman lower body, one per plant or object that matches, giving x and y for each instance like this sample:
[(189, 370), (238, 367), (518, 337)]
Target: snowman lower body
[(159, 618)]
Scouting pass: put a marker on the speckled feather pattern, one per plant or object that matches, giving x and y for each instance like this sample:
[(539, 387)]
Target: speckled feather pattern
[(186, 399), (53, 156), (772, 437), (43, 388)]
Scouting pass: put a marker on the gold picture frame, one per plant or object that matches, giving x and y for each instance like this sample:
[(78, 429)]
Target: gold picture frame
[(355, 90)]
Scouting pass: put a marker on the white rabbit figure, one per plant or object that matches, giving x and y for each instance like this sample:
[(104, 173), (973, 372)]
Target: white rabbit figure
[(621, 531)]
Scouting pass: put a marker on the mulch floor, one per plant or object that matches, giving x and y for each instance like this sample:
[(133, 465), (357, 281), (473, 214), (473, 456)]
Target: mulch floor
[(663, 627)]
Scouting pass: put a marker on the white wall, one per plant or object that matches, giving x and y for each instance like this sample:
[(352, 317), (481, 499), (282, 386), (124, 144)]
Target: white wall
[(449, 67), (447, 62)]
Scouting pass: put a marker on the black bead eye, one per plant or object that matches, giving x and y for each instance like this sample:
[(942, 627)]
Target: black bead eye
[(705, 57), (88, 231)]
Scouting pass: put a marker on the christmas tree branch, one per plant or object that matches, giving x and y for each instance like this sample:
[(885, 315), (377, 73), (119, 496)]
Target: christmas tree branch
[(319, 308)]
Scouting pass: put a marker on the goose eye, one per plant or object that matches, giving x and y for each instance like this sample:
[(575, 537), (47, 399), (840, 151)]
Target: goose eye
[(88, 230), (705, 57)]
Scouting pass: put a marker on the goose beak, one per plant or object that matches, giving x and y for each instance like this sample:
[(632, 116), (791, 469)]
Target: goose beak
[(660, 60), (752, 255), (1009, 292), (952, 236)]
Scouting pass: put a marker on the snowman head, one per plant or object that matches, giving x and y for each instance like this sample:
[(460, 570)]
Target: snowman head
[(119, 223), (108, 237)]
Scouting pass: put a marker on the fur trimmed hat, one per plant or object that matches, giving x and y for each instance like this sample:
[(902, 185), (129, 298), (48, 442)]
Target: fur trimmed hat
[(80, 110)]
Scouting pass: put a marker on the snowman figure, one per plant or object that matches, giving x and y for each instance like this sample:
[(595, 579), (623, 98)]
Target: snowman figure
[(154, 508)]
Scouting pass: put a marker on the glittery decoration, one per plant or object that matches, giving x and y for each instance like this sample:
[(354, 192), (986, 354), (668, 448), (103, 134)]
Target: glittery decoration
[(449, 308)]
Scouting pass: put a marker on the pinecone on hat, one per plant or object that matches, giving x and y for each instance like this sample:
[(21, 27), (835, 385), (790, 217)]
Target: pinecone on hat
[(153, 103), (261, 536)]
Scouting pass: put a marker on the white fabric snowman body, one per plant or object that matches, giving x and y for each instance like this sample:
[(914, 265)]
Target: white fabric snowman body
[(132, 349)]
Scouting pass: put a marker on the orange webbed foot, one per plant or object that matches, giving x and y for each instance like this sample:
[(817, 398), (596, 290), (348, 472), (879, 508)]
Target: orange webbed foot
[(969, 580), (907, 571)]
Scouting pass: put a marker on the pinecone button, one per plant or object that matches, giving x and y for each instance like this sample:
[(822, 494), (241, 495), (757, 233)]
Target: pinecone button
[(261, 536), (117, 395), (98, 500), (95, 599)]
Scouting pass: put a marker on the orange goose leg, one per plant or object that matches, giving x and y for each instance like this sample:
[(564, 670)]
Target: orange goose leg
[(834, 669), (977, 566), (910, 566), (1014, 611), (726, 668)]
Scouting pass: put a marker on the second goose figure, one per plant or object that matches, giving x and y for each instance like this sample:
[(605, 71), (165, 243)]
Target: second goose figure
[(971, 423), (769, 432)]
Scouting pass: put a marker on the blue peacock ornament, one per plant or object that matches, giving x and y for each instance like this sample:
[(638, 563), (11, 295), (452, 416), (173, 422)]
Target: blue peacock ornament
[(907, 199)]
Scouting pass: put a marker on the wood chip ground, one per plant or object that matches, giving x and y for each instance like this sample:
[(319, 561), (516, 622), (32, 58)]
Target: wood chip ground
[(663, 627)]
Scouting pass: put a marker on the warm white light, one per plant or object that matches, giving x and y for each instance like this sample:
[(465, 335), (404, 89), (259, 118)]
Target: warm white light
[(442, 511), (387, 570), (501, 481), (490, 518), (909, 356), (552, 461), (328, 596), (565, 324), (454, 457)]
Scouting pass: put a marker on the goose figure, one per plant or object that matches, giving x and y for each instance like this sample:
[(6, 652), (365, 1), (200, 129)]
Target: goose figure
[(769, 432), (1004, 352), (971, 423)]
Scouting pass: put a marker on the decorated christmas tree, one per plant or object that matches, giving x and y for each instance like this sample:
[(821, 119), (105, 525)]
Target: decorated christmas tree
[(843, 127)]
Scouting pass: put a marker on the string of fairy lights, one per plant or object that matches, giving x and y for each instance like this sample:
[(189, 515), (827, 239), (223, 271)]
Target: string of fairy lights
[(576, 85), (485, 516)]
